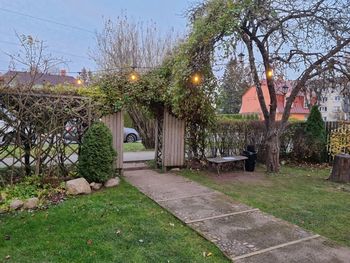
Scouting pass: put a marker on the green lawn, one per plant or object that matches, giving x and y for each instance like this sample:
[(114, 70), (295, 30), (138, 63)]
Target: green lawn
[(134, 147), (298, 195), (116, 225)]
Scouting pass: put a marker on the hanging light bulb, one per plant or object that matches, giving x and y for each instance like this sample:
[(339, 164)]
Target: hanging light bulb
[(196, 79), (133, 76), (269, 73)]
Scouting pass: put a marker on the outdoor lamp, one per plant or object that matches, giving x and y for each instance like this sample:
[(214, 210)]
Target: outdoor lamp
[(285, 89), (241, 58), (79, 81)]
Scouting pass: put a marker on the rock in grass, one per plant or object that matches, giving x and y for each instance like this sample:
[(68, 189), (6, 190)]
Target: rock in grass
[(31, 203), (96, 186), (112, 182), (16, 204), (78, 186)]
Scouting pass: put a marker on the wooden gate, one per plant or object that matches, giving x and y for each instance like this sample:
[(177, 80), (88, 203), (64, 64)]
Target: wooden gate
[(170, 139), (173, 141), (115, 122)]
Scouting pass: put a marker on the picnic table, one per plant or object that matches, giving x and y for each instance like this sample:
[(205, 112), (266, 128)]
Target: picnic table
[(219, 161)]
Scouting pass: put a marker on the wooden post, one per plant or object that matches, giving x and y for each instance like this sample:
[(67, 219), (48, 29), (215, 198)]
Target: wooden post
[(341, 169)]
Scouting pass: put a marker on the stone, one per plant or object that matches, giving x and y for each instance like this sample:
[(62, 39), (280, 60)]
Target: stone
[(31, 203), (78, 186), (16, 204), (112, 182), (95, 186)]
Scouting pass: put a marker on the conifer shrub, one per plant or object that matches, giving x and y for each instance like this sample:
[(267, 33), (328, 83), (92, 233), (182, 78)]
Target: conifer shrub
[(315, 134), (96, 158)]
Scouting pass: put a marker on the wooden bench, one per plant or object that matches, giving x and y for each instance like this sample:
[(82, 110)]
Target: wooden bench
[(219, 161)]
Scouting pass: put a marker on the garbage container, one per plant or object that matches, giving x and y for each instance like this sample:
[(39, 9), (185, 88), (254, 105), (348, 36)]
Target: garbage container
[(251, 154)]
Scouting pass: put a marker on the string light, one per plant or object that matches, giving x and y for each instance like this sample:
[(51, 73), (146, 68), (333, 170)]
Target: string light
[(269, 73), (196, 79)]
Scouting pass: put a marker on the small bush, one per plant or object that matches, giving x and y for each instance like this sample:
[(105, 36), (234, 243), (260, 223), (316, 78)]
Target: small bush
[(97, 155)]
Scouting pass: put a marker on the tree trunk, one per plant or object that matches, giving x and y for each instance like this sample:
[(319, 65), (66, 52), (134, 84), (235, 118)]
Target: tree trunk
[(144, 125), (272, 152), (341, 169)]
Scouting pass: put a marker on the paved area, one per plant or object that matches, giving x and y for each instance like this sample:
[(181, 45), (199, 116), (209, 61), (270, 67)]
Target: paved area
[(244, 234)]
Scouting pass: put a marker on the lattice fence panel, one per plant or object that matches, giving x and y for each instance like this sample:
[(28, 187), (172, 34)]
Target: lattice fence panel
[(41, 133)]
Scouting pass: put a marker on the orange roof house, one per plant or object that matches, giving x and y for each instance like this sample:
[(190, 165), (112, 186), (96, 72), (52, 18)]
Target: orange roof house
[(251, 105)]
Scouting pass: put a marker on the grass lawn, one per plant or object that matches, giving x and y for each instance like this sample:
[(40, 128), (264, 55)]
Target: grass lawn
[(134, 147), (116, 225), (298, 195)]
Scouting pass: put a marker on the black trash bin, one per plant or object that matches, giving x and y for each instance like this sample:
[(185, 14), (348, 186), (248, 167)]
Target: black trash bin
[(251, 154)]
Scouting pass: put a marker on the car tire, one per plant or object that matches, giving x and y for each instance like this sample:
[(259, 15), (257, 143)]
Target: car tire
[(131, 138)]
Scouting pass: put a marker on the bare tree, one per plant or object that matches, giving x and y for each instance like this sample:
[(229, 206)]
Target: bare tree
[(33, 59), (124, 44)]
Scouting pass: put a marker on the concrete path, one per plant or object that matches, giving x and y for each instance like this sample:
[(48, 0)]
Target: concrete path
[(244, 234)]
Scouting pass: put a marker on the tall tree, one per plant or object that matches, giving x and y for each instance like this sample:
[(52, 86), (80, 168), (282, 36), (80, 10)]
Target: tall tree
[(305, 38), (235, 81), (124, 44)]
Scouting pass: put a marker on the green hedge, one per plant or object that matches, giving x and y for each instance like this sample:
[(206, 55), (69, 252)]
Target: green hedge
[(230, 137), (96, 158)]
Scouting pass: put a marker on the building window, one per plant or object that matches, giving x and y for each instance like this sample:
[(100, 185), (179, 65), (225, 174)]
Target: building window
[(325, 118), (305, 103), (323, 109), (324, 99), (337, 98), (337, 108)]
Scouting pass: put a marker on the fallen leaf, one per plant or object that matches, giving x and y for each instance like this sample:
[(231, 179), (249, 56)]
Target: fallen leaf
[(118, 232), (8, 257), (89, 242), (141, 240), (171, 224), (7, 237)]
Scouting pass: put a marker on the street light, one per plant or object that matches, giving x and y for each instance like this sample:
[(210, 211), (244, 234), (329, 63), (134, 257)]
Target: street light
[(241, 58), (285, 89)]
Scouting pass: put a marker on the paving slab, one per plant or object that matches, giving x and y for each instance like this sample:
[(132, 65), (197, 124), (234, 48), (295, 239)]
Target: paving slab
[(244, 234), (249, 232), (311, 251), (203, 206), (162, 187)]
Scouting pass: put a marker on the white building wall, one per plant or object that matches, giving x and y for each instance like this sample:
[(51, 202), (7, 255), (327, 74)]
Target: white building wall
[(331, 105)]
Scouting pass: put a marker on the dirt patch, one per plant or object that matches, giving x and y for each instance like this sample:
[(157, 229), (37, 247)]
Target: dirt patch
[(239, 177)]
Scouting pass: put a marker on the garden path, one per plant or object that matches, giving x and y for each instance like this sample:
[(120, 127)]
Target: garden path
[(244, 234)]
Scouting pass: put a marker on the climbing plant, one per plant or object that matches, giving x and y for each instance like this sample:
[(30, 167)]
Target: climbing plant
[(339, 141)]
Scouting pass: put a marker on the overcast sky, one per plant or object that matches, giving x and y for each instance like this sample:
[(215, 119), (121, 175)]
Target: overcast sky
[(88, 15)]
